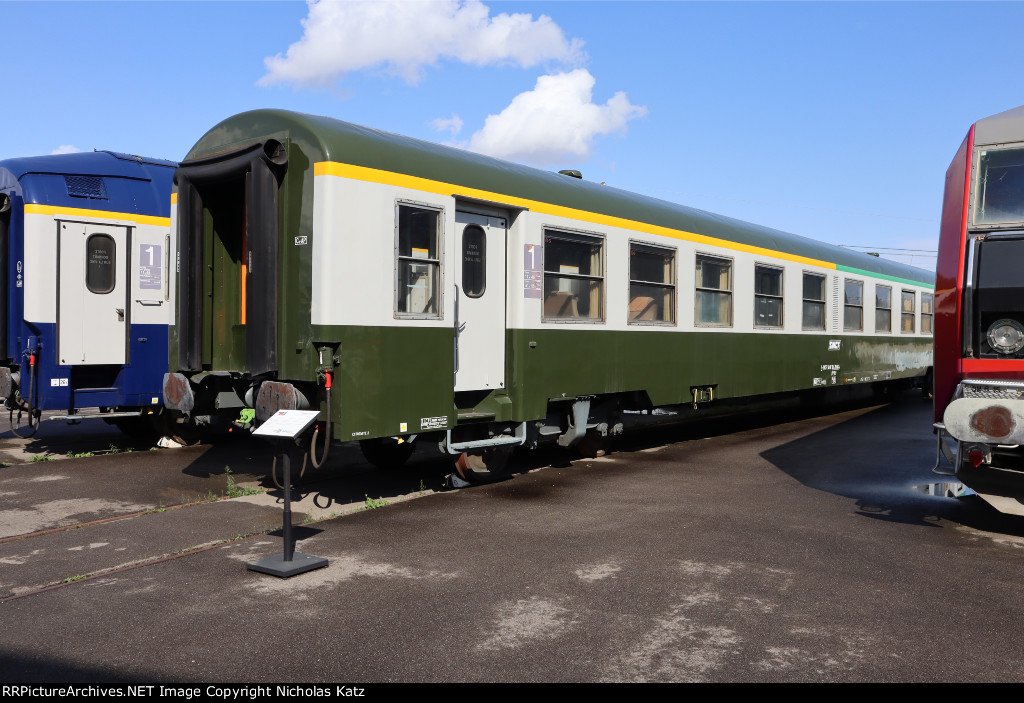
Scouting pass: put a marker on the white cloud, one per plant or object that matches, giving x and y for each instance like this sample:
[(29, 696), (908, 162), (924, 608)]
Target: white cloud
[(405, 37), (66, 149), (554, 122), (453, 124)]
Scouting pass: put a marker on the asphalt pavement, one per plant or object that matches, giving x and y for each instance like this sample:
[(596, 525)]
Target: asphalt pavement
[(734, 550)]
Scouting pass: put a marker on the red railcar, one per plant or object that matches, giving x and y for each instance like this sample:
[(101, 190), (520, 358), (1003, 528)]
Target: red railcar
[(979, 313)]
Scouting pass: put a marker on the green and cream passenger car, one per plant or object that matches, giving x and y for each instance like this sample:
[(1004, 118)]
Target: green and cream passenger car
[(446, 296)]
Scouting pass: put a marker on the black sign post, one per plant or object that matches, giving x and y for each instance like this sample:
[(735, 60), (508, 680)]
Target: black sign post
[(281, 430)]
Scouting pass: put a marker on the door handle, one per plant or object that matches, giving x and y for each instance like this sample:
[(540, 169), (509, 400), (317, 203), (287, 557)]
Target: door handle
[(458, 329), (120, 314)]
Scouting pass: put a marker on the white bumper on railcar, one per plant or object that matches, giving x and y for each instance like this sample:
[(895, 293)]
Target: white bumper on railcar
[(986, 418)]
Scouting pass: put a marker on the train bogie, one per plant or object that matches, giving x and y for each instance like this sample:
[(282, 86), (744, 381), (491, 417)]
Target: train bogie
[(449, 296)]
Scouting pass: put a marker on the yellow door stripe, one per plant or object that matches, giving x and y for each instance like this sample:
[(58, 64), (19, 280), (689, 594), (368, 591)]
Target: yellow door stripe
[(371, 175), (35, 209)]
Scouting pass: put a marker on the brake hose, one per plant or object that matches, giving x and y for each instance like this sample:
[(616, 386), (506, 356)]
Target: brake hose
[(273, 470), (28, 404), (317, 463)]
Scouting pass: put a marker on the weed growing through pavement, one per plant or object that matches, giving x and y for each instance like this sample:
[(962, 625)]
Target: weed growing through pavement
[(311, 517), (371, 503), (236, 491), (79, 455), (40, 457)]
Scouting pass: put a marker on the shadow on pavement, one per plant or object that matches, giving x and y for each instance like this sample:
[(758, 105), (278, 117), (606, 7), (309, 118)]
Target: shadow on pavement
[(886, 476)]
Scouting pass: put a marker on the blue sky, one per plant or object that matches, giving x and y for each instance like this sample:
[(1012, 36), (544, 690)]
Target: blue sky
[(831, 120)]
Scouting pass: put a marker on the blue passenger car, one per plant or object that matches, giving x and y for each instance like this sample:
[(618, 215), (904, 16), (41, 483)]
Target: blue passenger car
[(84, 242)]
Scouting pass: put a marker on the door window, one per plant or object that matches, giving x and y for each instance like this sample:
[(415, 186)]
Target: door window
[(474, 261), (100, 263)]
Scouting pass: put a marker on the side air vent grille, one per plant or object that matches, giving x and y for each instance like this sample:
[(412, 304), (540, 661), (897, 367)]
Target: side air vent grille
[(835, 304), (86, 187)]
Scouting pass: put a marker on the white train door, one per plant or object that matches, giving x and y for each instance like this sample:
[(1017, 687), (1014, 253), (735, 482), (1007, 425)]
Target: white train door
[(480, 302), (92, 294)]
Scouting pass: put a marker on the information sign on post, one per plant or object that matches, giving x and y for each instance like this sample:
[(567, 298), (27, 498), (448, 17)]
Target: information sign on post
[(282, 429)]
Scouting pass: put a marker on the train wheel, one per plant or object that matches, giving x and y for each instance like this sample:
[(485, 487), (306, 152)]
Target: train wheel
[(386, 453), (484, 467)]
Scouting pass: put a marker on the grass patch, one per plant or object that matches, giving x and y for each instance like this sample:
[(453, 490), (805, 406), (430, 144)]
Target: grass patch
[(236, 491), (371, 503)]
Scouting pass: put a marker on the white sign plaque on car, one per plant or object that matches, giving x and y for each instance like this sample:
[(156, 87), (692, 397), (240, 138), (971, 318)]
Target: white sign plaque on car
[(287, 423)]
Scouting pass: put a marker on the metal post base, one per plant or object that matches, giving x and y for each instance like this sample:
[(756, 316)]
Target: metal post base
[(277, 566), (289, 562)]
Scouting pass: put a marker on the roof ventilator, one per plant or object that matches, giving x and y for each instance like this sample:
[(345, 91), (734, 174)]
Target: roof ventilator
[(86, 187)]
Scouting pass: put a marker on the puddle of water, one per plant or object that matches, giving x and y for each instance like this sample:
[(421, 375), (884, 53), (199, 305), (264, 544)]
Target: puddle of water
[(943, 489)]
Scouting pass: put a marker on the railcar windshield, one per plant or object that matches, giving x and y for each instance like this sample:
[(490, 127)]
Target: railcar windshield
[(998, 292), (999, 187)]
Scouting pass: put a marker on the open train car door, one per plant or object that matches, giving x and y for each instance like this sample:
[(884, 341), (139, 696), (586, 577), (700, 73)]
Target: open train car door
[(92, 294), (480, 333), (228, 251)]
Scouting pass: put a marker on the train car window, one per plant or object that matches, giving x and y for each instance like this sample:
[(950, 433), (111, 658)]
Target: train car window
[(573, 276), (418, 263), (883, 308), (100, 263), (474, 261), (907, 312), (814, 302), (926, 313), (999, 187), (767, 296), (652, 285), (713, 299), (853, 306)]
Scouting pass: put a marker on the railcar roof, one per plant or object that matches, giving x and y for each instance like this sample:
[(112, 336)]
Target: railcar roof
[(1001, 128), (136, 184), (329, 139)]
